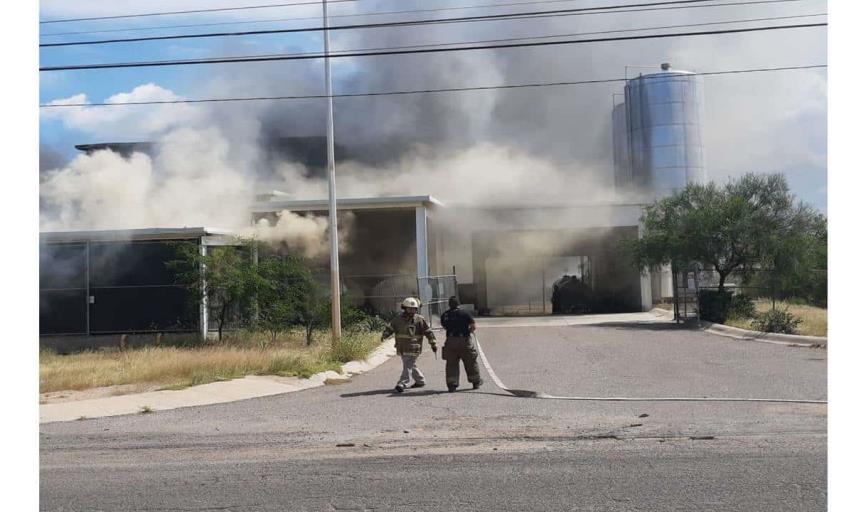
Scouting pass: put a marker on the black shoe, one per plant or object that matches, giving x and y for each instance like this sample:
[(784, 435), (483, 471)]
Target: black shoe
[(418, 385), (398, 389), (452, 389), (477, 385)]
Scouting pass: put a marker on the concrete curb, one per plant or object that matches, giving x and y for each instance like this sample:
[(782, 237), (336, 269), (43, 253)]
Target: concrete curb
[(251, 386), (764, 337), (747, 335)]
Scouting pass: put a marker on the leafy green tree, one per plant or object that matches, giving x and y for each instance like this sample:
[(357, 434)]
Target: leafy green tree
[(223, 275), (797, 266), (745, 225), (287, 295)]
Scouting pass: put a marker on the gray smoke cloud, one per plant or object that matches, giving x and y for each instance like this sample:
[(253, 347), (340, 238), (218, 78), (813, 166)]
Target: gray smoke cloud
[(506, 146)]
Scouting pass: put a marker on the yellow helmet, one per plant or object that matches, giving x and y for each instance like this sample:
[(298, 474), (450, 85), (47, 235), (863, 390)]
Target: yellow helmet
[(410, 302)]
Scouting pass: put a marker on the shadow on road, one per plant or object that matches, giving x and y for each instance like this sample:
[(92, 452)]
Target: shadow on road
[(391, 392), (408, 394), (642, 326)]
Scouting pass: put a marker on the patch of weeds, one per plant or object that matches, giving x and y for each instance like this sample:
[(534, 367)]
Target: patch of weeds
[(145, 409), (354, 347)]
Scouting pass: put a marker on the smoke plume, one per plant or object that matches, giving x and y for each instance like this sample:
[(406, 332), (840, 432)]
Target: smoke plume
[(494, 147)]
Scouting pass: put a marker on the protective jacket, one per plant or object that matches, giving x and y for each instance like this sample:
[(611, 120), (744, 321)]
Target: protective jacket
[(408, 331)]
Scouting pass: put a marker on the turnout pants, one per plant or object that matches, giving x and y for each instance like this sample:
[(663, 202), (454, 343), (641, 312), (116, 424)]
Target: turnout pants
[(455, 350), (409, 368)]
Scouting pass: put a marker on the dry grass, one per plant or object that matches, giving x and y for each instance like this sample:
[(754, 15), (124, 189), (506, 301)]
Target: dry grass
[(178, 367), (814, 319)]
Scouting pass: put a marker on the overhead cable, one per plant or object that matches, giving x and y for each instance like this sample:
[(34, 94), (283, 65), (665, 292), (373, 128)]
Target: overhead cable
[(193, 11), (549, 36), (188, 62), (331, 16), (405, 23), (416, 91)]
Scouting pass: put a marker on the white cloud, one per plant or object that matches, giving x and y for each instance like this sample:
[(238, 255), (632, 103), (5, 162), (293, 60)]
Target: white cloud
[(132, 122)]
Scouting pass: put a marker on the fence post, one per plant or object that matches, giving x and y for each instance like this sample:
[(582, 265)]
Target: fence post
[(674, 278)]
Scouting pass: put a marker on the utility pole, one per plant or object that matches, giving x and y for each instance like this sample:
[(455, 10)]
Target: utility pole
[(332, 187)]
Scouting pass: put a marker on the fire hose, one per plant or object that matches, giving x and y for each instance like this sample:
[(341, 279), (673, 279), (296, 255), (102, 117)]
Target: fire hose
[(524, 393)]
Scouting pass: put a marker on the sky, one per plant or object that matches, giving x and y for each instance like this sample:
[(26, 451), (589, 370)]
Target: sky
[(762, 122)]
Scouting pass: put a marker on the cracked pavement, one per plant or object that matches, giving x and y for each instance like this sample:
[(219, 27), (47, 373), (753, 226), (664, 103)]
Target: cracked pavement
[(427, 449)]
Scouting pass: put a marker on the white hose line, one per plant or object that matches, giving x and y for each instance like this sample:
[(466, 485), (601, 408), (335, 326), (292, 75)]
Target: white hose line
[(521, 393)]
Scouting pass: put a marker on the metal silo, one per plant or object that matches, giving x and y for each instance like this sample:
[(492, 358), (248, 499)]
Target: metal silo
[(663, 118)]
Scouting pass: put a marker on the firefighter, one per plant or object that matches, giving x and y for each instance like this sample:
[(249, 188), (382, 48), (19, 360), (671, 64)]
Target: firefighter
[(408, 329), (460, 346)]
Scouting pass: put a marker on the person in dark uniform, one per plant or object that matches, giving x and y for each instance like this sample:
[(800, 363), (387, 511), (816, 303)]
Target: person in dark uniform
[(460, 346)]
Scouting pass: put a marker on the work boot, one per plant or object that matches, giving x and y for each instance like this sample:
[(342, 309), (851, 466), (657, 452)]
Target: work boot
[(477, 385), (418, 385), (398, 389)]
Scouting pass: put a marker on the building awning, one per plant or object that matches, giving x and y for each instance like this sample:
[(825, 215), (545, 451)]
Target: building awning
[(108, 235), (360, 203)]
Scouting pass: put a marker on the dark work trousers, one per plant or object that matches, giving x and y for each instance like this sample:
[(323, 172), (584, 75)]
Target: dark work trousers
[(455, 350)]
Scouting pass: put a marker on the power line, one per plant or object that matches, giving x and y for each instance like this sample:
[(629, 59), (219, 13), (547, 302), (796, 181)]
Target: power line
[(364, 14), (462, 19), (421, 50), (530, 38), (418, 91), (195, 11)]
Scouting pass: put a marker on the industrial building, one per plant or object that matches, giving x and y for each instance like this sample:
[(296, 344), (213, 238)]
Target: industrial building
[(505, 261), (95, 283), (508, 260)]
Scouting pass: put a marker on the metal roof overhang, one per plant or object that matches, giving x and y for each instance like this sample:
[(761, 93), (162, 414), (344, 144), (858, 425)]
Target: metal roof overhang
[(116, 235), (362, 203)]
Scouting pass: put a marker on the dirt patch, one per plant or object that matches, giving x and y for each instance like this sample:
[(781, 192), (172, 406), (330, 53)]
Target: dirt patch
[(57, 397)]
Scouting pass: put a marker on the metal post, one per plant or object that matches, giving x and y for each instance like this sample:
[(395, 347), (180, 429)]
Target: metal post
[(87, 287), (203, 304), (332, 186)]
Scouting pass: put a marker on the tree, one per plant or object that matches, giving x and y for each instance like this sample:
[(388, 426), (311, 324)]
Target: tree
[(797, 265), (287, 296), (748, 224), (223, 275)]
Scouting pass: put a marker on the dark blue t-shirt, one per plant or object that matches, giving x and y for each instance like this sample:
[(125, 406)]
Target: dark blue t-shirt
[(456, 322)]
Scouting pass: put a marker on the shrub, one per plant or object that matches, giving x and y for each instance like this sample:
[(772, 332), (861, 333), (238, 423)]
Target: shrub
[(741, 306), (354, 347), (777, 321), (714, 305)]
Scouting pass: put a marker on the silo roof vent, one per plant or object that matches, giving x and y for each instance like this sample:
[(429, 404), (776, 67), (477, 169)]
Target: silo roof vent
[(665, 66)]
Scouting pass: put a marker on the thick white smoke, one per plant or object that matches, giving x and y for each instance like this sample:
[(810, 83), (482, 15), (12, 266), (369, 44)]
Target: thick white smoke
[(306, 233), (482, 175)]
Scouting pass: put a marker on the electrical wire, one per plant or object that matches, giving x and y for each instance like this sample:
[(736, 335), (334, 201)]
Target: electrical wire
[(416, 91), (117, 65), (552, 36), (405, 23), (364, 14), (194, 11)]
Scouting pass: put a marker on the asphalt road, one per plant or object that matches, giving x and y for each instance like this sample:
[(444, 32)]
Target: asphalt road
[(481, 450)]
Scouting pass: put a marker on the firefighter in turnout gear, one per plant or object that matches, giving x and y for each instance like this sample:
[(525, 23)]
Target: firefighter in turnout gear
[(408, 328), (460, 346)]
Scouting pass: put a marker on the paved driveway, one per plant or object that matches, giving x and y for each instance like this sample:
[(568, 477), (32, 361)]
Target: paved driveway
[(481, 450)]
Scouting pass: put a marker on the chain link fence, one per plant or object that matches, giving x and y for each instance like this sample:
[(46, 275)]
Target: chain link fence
[(382, 294), (434, 293), (753, 283)]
